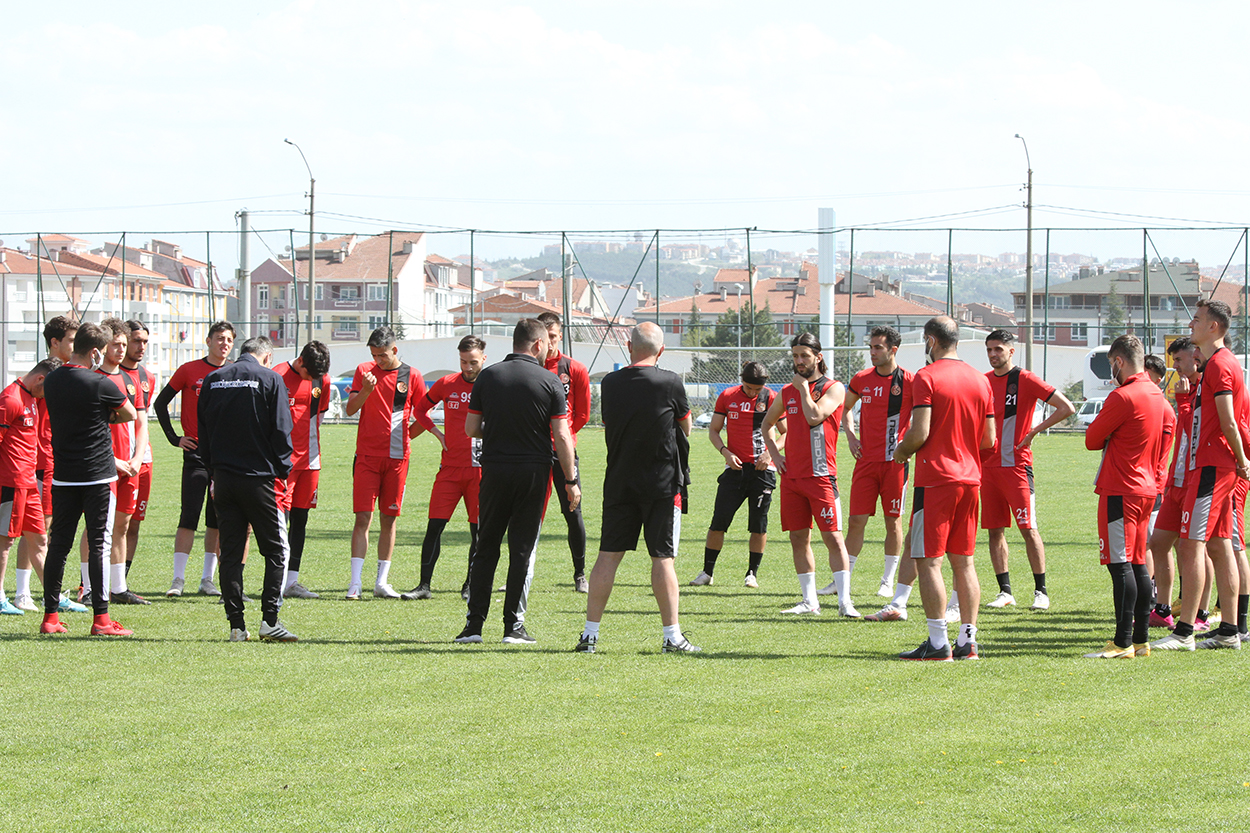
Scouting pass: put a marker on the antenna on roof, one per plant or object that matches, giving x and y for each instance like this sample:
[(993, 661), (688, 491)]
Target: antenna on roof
[(324, 238)]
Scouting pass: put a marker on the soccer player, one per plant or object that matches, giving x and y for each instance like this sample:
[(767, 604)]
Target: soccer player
[(576, 382), (1217, 457), (812, 406), (308, 394), (460, 469), (144, 386), (384, 393), (187, 380), (646, 423), (1128, 432), (952, 420), (749, 474), (81, 406), (1007, 468), (884, 393), (1156, 372)]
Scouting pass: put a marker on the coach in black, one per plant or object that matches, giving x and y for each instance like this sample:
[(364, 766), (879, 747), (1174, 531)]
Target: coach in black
[(81, 406), (245, 442), (517, 407), (646, 421)]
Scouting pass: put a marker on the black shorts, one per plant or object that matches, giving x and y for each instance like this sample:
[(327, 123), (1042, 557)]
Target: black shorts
[(659, 521), (749, 484), (195, 494)]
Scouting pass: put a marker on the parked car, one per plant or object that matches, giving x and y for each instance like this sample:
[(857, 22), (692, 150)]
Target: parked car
[(1088, 410), (703, 420)]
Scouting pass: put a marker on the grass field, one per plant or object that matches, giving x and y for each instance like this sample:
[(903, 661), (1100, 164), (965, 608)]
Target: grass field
[(375, 721)]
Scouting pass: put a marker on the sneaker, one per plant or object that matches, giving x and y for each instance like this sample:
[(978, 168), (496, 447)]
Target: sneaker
[(1172, 642), (175, 588), (1141, 649), (1040, 601), (518, 636), (239, 635), (1220, 641), (1157, 621), (207, 588), (846, 609), (53, 627), (421, 591), (276, 632), (299, 591), (751, 581), (1244, 637), (804, 607), (1002, 600), (468, 635), (952, 613), (681, 646), (967, 651), (886, 590), (84, 594), (580, 585), (353, 594), (111, 629), (926, 651), (889, 613), (703, 579), (586, 644), (68, 605), (7, 608), (1113, 651), (26, 603), (384, 591), (128, 597), (1203, 626), (829, 589)]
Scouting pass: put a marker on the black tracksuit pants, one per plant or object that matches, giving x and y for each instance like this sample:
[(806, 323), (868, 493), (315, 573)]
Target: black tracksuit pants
[(243, 500), (511, 501), (94, 504)]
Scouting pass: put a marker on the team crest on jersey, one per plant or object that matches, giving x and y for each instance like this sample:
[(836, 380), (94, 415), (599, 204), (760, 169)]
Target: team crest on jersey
[(896, 390), (147, 386), (1011, 389), (316, 392), (564, 377), (130, 389), (402, 387)]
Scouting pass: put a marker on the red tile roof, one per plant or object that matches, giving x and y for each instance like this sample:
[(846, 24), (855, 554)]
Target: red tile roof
[(101, 264), (20, 263)]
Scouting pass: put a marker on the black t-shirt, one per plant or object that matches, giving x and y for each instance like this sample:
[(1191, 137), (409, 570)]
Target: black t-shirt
[(641, 408), (80, 403), (517, 399)]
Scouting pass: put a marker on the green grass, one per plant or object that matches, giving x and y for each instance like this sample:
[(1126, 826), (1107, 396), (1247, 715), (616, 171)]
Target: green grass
[(374, 721)]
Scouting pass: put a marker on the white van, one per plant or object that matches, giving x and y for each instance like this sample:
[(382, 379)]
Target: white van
[(1088, 410)]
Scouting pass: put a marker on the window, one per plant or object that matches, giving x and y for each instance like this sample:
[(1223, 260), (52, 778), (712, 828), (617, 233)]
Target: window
[(262, 296), (1080, 332), (345, 293), (376, 321), (318, 292), (377, 292)]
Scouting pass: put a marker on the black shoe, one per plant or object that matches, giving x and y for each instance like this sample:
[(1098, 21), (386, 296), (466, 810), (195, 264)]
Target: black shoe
[(681, 646), (421, 591), (586, 644), (128, 597), (518, 636), (926, 651), (968, 651), (469, 635)]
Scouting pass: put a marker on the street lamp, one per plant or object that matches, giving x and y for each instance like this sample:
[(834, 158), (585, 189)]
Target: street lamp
[(312, 251), (1028, 266), (738, 287)]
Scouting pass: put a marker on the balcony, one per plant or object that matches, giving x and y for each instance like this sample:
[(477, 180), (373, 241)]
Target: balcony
[(345, 335), (346, 303)]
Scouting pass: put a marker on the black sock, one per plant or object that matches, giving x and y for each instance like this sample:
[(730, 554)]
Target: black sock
[(1226, 629), (1004, 582), (297, 529), (709, 559), (431, 547), (1203, 615), (1124, 595), (753, 565), (1164, 611), (1242, 601), (128, 563), (1141, 609), (1183, 629), (1039, 583)]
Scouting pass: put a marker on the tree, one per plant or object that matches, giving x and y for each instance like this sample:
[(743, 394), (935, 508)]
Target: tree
[(695, 332), (753, 323), (1114, 322), (846, 363)]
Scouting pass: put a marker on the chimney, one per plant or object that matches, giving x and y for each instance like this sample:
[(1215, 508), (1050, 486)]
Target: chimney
[(407, 247), (723, 292)]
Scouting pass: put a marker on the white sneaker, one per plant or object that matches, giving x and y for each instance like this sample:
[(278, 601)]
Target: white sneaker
[(276, 633), (750, 581), (353, 594), (1216, 641), (952, 613), (886, 590), (25, 602), (1172, 642), (299, 591), (702, 579), (384, 591), (830, 589), (889, 613), (207, 587), (1002, 600), (846, 608), (175, 588), (1040, 601), (804, 607), (239, 635)]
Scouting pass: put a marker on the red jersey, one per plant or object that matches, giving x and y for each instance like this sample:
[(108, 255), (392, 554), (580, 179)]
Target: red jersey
[(1180, 436), (43, 460), (384, 416), (959, 399), (884, 411), (575, 378), (187, 380), (140, 384), (1127, 429), (124, 434), (308, 401), (1165, 443), (811, 450), (1221, 376), (1016, 394), (19, 436), (453, 391), (744, 422)]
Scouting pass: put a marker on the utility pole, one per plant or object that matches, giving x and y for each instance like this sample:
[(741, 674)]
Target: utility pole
[(312, 241), (1028, 266), (244, 277)]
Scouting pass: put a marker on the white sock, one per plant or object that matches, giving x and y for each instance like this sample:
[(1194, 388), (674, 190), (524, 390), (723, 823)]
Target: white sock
[(937, 632), (852, 559), (953, 601), (672, 632), (902, 592), (891, 569), (591, 629), (118, 578), (967, 633), (842, 581), (180, 565), (358, 566), (23, 582), (86, 576), (807, 586), (292, 577), (384, 570), (210, 564)]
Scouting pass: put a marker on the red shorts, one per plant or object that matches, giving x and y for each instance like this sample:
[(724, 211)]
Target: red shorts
[(804, 499), (1124, 528), (1209, 504), (145, 491), (21, 510), (1239, 514), (381, 479), (45, 492), (1007, 495), (127, 492), (1169, 517), (944, 520), (298, 491), (878, 478), (450, 485)]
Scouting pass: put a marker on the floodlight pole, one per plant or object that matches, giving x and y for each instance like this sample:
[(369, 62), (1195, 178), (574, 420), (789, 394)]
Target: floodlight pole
[(312, 241), (1028, 266)]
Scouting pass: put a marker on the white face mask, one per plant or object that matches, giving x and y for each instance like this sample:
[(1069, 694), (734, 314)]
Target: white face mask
[(97, 359)]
